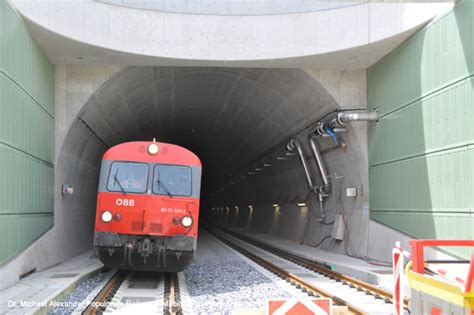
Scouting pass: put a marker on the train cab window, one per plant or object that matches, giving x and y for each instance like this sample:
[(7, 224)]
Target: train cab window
[(172, 180), (128, 177)]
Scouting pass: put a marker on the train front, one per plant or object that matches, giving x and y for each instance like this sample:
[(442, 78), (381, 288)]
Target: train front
[(148, 207)]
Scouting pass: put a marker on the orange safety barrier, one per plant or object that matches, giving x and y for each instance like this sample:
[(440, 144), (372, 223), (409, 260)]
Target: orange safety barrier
[(417, 251)]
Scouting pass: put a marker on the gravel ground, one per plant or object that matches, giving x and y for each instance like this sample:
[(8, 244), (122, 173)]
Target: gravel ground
[(69, 303), (220, 282)]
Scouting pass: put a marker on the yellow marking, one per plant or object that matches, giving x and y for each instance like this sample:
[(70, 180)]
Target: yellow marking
[(439, 289)]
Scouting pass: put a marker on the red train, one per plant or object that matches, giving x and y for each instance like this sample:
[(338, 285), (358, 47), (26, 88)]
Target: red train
[(148, 206)]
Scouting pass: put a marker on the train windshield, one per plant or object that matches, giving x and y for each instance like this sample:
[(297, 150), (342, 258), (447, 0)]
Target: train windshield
[(128, 177), (172, 180)]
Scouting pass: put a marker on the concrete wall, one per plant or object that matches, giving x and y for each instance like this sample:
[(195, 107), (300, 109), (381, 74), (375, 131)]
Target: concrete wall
[(352, 37), (233, 7), (424, 91), (92, 107), (26, 137), (284, 184)]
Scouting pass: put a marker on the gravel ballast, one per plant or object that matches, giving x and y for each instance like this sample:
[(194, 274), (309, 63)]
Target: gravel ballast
[(220, 281), (69, 303)]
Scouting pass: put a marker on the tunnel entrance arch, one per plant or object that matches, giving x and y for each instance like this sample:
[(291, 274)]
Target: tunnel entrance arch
[(228, 116)]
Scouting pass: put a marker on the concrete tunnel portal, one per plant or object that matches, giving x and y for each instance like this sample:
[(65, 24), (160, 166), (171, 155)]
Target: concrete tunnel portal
[(318, 131), (230, 117)]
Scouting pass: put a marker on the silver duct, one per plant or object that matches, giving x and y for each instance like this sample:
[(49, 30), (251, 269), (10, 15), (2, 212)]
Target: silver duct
[(326, 187), (339, 119), (293, 145), (326, 126)]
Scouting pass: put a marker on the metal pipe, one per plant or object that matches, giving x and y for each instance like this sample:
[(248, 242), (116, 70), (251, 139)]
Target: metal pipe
[(339, 119), (295, 144), (326, 188), (357, 116), (323, 212)]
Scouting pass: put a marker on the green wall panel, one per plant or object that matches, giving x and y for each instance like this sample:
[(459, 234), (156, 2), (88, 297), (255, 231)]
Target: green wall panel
[(440, 121), (22, 60), (25, 184), (26, 137), (24, 124), (436, 56), (18, 231), (446, 226), (421, 152), (440, 182)]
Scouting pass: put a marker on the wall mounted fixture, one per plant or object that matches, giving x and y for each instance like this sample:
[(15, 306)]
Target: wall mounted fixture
[(67, 189)]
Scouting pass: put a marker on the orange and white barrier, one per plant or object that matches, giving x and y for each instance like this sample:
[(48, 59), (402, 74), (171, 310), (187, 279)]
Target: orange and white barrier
[(397, 258)]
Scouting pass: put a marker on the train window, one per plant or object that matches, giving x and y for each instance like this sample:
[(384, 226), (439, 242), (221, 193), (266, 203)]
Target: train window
[(128, 177), (173, 180)]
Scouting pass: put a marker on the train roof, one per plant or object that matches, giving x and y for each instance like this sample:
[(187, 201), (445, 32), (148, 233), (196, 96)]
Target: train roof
[(139, 151)]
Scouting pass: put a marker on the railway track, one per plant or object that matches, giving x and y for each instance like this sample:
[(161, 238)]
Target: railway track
[(349, 295), (140, 292)]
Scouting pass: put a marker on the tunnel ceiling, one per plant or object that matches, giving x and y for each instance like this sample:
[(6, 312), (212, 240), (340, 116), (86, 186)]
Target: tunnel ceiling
[(228, 116)]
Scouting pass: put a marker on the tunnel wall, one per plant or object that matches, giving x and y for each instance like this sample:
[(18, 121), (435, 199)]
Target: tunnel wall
[(26, 137), (284, 184), (423, 143)]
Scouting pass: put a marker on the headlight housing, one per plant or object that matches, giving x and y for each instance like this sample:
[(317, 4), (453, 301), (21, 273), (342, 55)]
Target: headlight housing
[(153, 149), (187, 221), (106, 216)]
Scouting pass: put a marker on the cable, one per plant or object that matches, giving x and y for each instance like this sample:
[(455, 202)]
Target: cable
[(327, 223), (321, 241)]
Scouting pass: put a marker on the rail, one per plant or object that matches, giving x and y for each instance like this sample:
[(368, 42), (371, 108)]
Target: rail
[(319, 268)]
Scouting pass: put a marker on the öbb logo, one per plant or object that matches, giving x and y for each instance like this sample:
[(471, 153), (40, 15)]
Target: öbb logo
[(125, 202)]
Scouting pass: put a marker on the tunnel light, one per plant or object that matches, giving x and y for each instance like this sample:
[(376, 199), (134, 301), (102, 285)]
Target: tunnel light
[(267, 164), (153, 149), (275, 205), (236, 208), (243, 176), (251, 173), (250, 207), (288, 153), (258, 169), (301, 204), (281, 158)]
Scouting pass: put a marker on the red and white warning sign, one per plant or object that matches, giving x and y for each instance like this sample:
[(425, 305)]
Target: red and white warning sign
[(300, 307)]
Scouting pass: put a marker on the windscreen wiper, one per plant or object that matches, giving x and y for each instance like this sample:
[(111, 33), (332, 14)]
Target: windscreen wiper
[(163, 186), (118, 182)]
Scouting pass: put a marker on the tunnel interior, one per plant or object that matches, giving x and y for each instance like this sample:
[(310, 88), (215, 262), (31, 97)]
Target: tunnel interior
[(230, 117)]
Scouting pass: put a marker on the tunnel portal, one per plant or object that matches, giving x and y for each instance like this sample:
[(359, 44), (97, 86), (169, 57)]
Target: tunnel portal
[(230, 117)]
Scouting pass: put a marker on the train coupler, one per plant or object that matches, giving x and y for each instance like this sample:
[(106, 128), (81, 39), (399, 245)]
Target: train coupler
[(146, 249), (127, 253)]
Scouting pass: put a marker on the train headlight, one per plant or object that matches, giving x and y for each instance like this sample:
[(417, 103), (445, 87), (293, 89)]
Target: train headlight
[(153, 149), (106, 216), (187, 221)]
